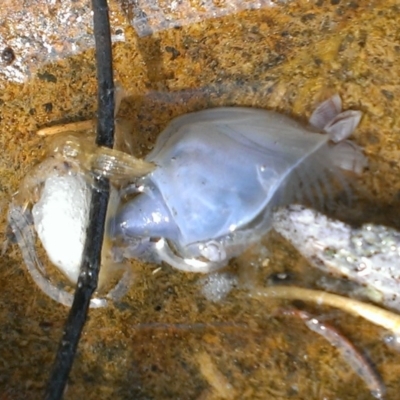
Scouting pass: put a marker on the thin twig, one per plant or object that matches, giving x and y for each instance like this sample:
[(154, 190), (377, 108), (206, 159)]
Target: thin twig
[(87, 282)]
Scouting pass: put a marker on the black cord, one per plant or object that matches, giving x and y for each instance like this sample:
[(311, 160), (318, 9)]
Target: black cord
[(105, 78), (87, 282)]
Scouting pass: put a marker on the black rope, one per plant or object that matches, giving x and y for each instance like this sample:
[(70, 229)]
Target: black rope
[(87, 282), (105, 78)]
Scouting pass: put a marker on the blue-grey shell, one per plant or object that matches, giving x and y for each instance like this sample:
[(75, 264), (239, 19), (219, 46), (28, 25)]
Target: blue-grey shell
[(217, 171)]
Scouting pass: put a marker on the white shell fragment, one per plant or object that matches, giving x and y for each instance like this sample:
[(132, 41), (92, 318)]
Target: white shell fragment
[(217, 286), (61, 218), (369, 255)]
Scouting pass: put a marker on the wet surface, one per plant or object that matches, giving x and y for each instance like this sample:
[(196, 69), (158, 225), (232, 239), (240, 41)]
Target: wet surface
[(165, 340)]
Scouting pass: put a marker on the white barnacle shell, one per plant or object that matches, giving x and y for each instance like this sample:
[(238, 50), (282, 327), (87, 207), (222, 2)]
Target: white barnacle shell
[(56, 195), (61, 218)]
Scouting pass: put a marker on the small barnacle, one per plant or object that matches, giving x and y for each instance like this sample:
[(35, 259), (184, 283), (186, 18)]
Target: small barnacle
[(52, 204), (8, 56)]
